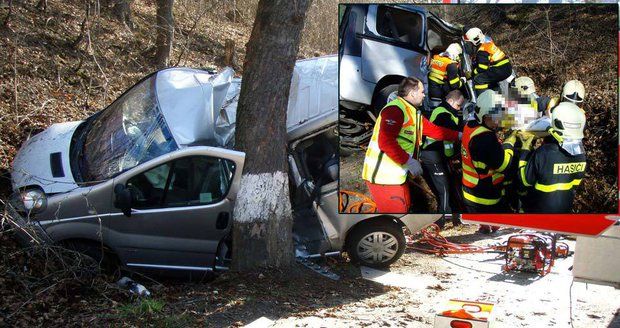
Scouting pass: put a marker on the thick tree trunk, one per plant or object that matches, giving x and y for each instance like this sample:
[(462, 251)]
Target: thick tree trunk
[(165, 32), (122, 11), (262, 229)]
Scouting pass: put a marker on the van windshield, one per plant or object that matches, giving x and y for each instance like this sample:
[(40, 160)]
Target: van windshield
[(129, 132)]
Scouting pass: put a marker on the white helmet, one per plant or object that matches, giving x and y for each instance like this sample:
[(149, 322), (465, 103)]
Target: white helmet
[(474, 35), (454, 50), (573, 91), (525, 85), (568, 119), (489, 103)]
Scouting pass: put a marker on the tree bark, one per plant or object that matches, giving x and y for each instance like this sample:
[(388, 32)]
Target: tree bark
[(165, 32), (122, 11), (262, 229)]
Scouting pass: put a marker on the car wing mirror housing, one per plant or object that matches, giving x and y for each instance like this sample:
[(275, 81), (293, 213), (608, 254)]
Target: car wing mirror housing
[(122, 199)]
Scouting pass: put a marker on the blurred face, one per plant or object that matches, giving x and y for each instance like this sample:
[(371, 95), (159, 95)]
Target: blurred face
[(457, 104), (490, 122), (416, 97)]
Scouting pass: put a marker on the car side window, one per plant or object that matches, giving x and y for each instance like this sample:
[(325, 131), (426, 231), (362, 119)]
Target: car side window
[(400, 25), (148, 188), (188, 181), (198, 180)]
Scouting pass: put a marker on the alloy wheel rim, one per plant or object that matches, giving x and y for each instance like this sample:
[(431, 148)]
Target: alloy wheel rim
[(377, 247)]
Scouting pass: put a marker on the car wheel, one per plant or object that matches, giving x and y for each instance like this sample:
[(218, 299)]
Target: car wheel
[(376, 243), (381, 98)]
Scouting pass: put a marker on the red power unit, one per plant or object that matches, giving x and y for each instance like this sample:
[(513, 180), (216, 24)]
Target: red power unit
[(532, 253)]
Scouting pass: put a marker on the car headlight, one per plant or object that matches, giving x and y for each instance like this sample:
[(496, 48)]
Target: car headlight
[(34, 200)]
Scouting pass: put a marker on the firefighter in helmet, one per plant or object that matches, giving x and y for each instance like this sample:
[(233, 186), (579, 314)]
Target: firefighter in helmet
[(552, 172), (444, 73), (573, 91), (526, 90), (484, 157), (492, 64)]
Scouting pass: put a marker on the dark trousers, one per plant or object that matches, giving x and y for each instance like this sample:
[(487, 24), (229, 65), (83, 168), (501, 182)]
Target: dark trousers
[(436, 175), (491, 77), (438, 91)]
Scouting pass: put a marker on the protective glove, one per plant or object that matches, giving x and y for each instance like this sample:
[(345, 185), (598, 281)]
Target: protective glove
[(512, 138), (526, 139), (414, 166)]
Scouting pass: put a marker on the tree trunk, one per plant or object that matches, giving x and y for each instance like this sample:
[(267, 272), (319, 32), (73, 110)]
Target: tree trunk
[(165, 32), (262, 229), (122, 11)]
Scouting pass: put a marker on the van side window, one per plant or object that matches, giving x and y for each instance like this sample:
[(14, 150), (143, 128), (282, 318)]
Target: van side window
[(400, 25), (188, 181), (148, 189)]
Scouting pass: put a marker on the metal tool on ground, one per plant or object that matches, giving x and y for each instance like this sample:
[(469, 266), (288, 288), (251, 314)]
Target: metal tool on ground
[(533, 252), (320, 269), (527, 252)]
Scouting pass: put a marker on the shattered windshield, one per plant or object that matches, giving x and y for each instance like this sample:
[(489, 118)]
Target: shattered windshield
[(129, 132)]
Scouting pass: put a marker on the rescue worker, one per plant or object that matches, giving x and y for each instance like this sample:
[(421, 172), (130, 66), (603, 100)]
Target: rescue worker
[(484, 158), (527, 91), (442, 128), (492, 64), (573, 91), (555, 169), (444, 73), (393, 149)]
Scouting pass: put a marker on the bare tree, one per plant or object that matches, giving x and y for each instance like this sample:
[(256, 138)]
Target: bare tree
[(262, 229), (165, 32)]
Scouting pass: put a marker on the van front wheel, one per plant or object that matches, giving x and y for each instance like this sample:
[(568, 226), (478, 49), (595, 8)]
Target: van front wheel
[(376, 244)]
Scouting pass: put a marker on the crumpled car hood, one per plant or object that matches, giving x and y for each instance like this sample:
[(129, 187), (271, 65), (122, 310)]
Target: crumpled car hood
[(33, 162)]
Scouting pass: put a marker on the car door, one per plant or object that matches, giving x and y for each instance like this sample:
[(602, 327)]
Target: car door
[(393, 43), (181, 209)]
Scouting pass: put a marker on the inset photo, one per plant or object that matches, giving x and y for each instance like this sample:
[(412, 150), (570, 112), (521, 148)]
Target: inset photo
[(453, 109)]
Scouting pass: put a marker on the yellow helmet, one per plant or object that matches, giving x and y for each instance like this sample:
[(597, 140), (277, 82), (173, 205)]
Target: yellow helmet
[(568, 119), (489, 103), (454, 50), (525, 85), (573, 91), (474, 35)]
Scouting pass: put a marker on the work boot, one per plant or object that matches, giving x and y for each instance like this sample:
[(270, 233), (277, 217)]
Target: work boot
[(485, 229), (441, 222), (456, 220)]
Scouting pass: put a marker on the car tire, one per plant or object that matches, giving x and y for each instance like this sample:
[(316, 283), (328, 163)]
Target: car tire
[(381, 98), (387, 238)]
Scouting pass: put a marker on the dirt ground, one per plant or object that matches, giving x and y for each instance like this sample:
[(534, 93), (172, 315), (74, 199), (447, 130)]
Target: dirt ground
[(408, 295), (427, 282)]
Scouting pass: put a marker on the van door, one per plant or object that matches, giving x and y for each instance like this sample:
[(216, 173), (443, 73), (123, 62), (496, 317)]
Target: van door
[(181, 210), (394, 43)]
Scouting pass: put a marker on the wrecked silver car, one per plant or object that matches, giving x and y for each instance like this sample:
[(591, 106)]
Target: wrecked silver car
[(153, 177)]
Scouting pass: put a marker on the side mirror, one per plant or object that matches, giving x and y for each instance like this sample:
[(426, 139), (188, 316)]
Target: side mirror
[(122, 199)]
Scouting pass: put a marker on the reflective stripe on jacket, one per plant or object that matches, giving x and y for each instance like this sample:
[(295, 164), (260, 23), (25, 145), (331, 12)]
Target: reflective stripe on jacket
[(380, 168), (434, 132), (496, 56), (482, 184), (551, 176), (439, 71)]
